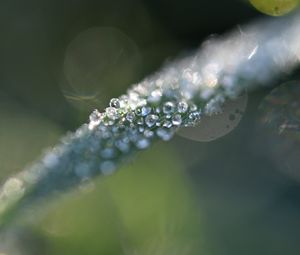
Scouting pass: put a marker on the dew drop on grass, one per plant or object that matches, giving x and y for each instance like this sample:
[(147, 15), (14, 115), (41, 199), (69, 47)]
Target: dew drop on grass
[(213, 127), (130, 116), (168, 107), (164, 134), (114, 102), (182, 107), (112, 113), (107, 167), (151, 120), (82, 170), (142, 143), (177, 120), (275, 7)]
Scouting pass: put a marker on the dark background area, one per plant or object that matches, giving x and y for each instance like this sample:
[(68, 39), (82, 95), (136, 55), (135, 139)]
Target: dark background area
[(36, 34)]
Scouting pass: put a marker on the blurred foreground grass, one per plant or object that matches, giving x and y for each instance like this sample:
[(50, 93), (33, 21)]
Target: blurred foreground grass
[(146, 208)]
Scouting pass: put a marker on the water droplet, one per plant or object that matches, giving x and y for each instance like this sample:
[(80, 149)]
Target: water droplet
[(167, 124), (142, 143), (214, 106), (146, 110), (193, 107), (95, 116), (194, 116), (140, 121), (168, 108), (50, 160), (122, 146), (82, 170), (114, 102), (151, 120), (182, 107), (130, 116), (148, 133), (107, 167), (177, 120), (123, 101), (141, 129), (108, 153), (143, 111), (112, 113), (157, 110), (164, 134), (138, 111), (155, 96)]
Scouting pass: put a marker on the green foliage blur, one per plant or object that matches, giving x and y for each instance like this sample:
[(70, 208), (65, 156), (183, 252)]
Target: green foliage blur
[(61, 59)]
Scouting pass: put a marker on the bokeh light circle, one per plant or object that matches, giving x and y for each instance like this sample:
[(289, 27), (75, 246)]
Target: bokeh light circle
[(213, 127), (280, 115), (275, 7), (281, 109), (99, 63)]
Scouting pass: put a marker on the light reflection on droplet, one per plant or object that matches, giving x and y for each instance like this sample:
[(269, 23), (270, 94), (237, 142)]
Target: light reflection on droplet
[(218, 125)]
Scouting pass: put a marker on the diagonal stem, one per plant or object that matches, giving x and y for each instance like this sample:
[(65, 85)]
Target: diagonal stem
[(177, 96)]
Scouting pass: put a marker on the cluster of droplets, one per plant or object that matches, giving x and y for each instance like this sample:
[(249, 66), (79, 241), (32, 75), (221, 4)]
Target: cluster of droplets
[(132, 123)]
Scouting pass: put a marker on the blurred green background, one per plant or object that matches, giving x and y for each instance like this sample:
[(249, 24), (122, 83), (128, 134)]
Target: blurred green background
[(61, 59)]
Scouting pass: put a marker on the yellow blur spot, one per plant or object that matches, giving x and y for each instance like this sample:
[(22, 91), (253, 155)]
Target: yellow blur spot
[(275, 7)]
